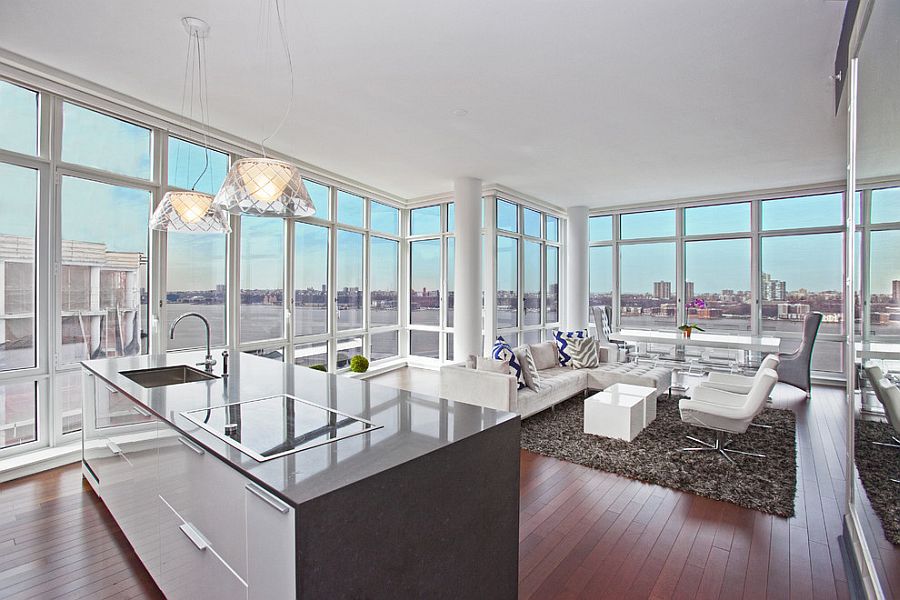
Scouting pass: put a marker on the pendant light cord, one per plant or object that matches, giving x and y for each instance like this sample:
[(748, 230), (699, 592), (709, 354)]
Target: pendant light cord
[(204, 112), (184, 86), (202, 99), (287, 53)]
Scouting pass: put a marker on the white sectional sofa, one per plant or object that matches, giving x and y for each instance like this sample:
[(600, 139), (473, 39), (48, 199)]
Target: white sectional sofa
[(461, 383)]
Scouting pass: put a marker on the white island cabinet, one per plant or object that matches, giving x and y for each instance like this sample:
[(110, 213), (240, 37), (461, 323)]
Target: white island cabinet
[(278, 482), (201, 528)]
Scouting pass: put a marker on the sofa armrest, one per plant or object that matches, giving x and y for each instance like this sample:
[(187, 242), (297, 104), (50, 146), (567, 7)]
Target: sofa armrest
[(481, 388)]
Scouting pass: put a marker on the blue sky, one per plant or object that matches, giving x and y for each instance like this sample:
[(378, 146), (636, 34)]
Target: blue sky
[(18, 116)]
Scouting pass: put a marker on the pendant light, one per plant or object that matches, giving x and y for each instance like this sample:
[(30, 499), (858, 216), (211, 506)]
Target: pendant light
[(192, 211), (264, 186)]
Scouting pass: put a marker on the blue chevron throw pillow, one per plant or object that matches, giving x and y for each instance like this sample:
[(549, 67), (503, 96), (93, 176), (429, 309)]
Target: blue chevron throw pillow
[(562, 344), (503, 351)]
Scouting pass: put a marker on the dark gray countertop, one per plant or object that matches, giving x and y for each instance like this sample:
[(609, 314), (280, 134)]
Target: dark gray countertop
[(412, 425)]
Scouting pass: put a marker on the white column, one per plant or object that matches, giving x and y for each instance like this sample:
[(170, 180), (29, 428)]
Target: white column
[(576, 268), (467, 282)]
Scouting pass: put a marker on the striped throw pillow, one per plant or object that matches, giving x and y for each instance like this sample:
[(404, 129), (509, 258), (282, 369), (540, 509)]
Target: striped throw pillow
[(583, 353), (562, 344), (503, 351)]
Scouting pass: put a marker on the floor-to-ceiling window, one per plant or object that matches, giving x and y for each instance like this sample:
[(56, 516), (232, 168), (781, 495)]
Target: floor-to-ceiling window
[(600, 261), (883, 273), (19, 201), (346, 279), (717, 267), (428, 280), (527, 272), (801, 270), (758, 266), (196, 272), (105, 196), (647, 269), (82, 276)]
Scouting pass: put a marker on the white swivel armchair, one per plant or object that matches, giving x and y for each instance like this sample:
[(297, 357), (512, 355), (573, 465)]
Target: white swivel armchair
[(889, 396), (739, 384), (726, 412)]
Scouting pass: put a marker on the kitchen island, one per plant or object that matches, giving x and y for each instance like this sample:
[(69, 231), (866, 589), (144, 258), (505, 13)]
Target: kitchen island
[(278, 481)]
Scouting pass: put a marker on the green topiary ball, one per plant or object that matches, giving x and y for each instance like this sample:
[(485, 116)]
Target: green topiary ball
[(359, 364), (322, 368)]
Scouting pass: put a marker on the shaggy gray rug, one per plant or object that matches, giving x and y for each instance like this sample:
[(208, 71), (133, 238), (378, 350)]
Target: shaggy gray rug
[(877, 465), (768, 485)]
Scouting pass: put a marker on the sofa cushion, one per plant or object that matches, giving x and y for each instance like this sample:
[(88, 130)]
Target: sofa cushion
[(529, 370), (559, 378), (557, 384), (630, 373), (545, 355)]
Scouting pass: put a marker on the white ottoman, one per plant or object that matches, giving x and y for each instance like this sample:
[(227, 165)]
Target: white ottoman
[(649, 395), (614, 415)]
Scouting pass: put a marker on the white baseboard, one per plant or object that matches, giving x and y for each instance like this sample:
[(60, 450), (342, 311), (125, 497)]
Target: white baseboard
[(30, 463)]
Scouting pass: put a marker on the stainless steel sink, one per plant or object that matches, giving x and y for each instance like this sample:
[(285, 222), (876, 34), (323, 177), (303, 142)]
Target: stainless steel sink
[(151, 378)]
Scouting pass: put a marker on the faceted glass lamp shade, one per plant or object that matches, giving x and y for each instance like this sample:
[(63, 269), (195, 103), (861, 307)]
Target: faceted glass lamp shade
[(266, 187), (191, 212)]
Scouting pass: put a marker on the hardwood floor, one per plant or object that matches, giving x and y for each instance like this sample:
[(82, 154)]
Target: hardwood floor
[(57, 540), (583, 533), (589, 534)]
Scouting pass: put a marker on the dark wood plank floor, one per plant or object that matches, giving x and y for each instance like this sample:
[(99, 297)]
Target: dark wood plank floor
[(57, 540), (588, 534), (583, 534)]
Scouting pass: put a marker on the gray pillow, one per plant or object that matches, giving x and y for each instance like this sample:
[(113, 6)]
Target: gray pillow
[(529, 370), (583, 353), (492, 365), (546, 356)]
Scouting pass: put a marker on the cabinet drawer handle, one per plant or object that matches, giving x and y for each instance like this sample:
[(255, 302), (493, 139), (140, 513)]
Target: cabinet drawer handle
[(112, 391), (268, 498), (142, 412), (191, 445), (194, 535), (113, 447)]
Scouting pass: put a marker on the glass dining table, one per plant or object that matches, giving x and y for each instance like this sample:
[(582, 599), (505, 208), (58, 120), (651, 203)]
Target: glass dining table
[(747, 348)]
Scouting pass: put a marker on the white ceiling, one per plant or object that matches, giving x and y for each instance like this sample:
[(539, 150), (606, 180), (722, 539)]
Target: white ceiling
[(575, 102)]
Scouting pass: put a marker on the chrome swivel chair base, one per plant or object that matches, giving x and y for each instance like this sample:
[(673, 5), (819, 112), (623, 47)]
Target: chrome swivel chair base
[(895, 444), (721, 446)]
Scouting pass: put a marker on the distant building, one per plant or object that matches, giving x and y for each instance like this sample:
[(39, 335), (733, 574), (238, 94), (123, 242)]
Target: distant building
[(689, 290), (662, 289), (99, 295), (880, 318), (792, 312), (895, 291), (773, 290)]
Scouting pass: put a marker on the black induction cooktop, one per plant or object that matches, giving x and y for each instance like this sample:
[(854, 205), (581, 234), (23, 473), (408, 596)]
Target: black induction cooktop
[(271, 427)]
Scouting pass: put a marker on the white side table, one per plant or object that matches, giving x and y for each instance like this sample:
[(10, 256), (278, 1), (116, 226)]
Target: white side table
[(614, 415), (649, 395)]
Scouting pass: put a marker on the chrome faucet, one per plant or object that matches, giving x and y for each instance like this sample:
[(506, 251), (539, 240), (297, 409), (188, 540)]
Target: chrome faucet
[(210, 361)]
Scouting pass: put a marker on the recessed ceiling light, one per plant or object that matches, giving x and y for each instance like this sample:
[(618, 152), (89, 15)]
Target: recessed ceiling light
[(459, 112)]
